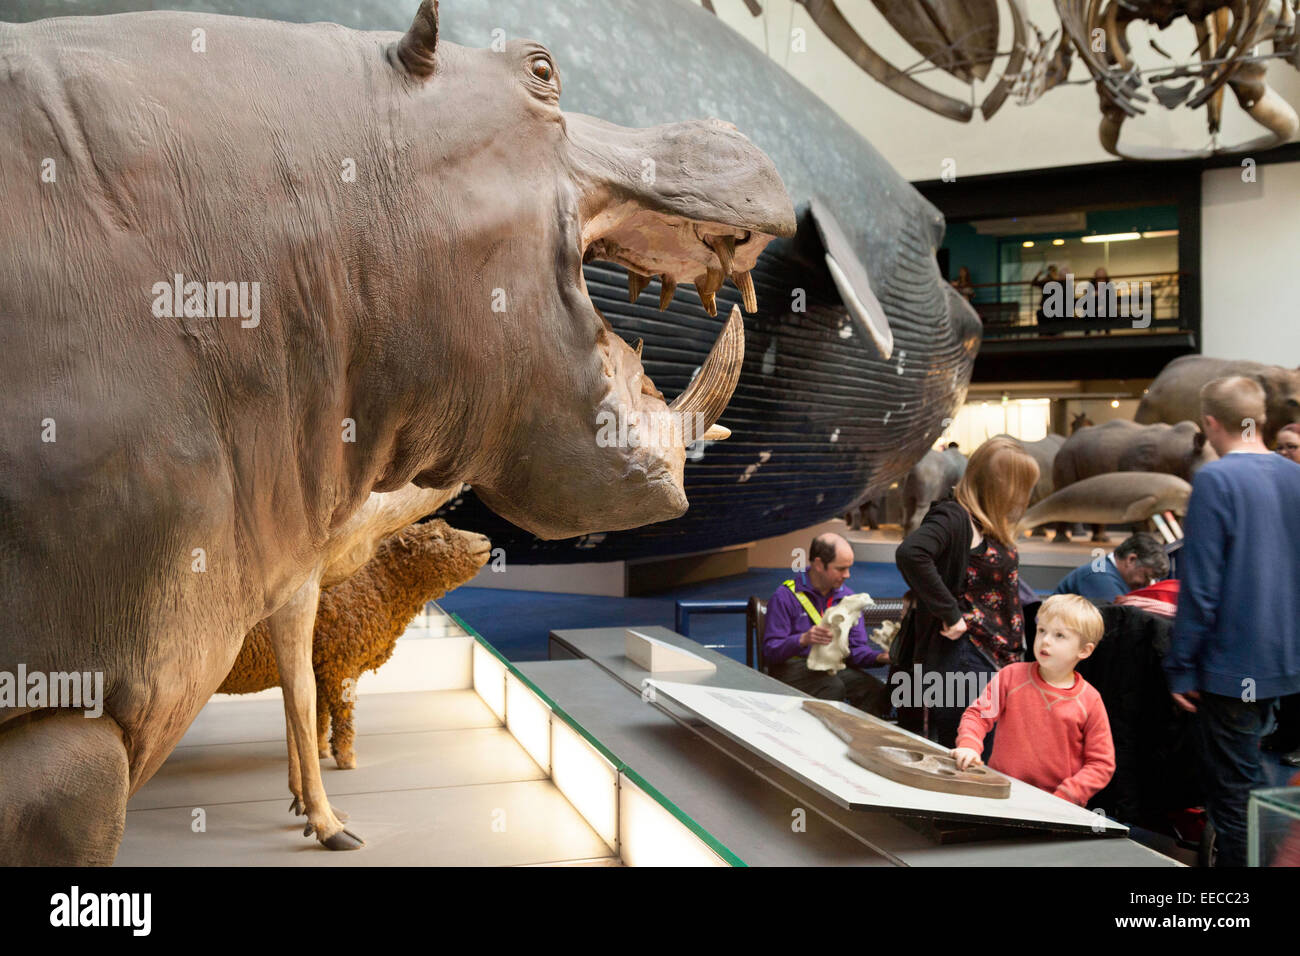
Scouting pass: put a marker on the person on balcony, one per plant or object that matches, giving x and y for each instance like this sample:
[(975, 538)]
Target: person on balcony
[(1040, 282), (964, 284)]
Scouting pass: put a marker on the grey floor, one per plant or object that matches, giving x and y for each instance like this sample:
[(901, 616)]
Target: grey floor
[(439, 782)]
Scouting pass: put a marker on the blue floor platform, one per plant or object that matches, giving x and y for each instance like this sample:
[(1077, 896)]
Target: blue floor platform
[(518, 622)]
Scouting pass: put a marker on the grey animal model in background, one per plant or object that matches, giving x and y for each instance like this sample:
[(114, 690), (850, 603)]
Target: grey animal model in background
[(840, 619), (1174, 395), (1120, 445), (1120, 497), (930, 479)]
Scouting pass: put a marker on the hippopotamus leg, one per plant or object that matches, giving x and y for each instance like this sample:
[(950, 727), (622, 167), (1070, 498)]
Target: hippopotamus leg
[(67, 806), (1062, 531), (1099, 533)]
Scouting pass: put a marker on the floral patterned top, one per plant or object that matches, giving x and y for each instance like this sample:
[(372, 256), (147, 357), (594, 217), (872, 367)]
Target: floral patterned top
[(990, 603)]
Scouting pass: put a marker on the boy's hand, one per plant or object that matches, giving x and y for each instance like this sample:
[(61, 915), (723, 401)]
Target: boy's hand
[(964, 757)]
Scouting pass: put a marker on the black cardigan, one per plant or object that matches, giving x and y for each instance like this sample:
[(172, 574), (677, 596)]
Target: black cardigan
[(933, 561)]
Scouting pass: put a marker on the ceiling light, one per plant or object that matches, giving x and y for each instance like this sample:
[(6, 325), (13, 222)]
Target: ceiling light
[(1028, 243), (1160, 234), (1114, 403), (1114, 237), (1058, 242)]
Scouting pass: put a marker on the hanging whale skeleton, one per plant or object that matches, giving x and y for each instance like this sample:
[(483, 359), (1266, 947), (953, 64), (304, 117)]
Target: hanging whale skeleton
[(960, 37)]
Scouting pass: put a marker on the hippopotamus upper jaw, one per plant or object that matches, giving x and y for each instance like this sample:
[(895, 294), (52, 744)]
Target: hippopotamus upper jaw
[(692, 201)]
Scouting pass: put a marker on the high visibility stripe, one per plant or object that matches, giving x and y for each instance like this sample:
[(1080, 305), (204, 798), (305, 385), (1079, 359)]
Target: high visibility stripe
[(807, 604)]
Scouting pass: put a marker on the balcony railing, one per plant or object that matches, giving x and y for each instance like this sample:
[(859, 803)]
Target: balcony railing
[(1134, 304)]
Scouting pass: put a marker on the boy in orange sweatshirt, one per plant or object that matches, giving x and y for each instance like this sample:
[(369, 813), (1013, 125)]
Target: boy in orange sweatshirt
[(1053, 731)]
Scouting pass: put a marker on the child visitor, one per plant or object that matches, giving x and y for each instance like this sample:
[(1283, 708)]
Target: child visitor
[(1052, 728)]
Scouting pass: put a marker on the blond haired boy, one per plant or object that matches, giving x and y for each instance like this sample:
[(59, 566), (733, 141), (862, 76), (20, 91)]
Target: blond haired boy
[(1053, 731)]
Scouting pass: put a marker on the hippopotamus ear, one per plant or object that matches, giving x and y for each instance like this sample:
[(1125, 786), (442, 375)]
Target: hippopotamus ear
[(1198, 440), (416, 48)]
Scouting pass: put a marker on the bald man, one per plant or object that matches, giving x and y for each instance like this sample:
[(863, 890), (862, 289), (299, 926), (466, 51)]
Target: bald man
[(794, 616)]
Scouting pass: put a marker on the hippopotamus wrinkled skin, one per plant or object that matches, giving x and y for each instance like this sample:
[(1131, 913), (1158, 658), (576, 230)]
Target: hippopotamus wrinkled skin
[(170, 478), (930, 479), (1120, 445), (1174, 395)]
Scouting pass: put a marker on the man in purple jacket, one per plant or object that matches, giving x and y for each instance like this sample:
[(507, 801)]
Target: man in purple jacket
[(794, 616), (1236, 640)]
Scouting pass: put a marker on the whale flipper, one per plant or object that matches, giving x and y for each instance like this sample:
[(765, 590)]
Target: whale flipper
[(852, 281)]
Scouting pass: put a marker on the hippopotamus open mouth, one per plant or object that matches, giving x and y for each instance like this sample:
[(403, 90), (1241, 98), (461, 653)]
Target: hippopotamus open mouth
[(590, 443)]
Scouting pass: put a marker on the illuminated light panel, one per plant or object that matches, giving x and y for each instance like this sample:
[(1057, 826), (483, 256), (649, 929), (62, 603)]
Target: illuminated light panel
[(1058, 242), (651, 836), (529, 720), (1159, 233), (1028, 244), (587, 780), (1113, 237), (490, 681)]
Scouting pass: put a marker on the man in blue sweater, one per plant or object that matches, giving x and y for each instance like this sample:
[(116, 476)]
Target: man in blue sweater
[(1236, 642)]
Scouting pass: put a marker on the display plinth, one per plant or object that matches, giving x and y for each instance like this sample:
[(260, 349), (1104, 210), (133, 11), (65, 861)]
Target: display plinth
[(780, 729), (659, 657)]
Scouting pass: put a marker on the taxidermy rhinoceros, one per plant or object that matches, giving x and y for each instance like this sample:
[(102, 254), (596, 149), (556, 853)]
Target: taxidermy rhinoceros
[(251, 272)]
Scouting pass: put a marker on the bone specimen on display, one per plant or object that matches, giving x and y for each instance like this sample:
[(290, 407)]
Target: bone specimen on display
[(840, 619), (883, 750)]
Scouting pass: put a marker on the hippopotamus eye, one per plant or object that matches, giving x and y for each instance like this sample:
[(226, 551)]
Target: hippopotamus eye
[(542, 69)]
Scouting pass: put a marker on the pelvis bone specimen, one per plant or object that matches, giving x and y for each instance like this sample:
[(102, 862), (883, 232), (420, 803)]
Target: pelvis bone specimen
[(840, 619)]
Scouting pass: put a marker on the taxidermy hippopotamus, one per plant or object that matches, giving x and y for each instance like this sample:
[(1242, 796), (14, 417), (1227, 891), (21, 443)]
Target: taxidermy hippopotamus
[(930, 479), (1175, 394), (821, 417), (402, 222), (1126, 446)]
